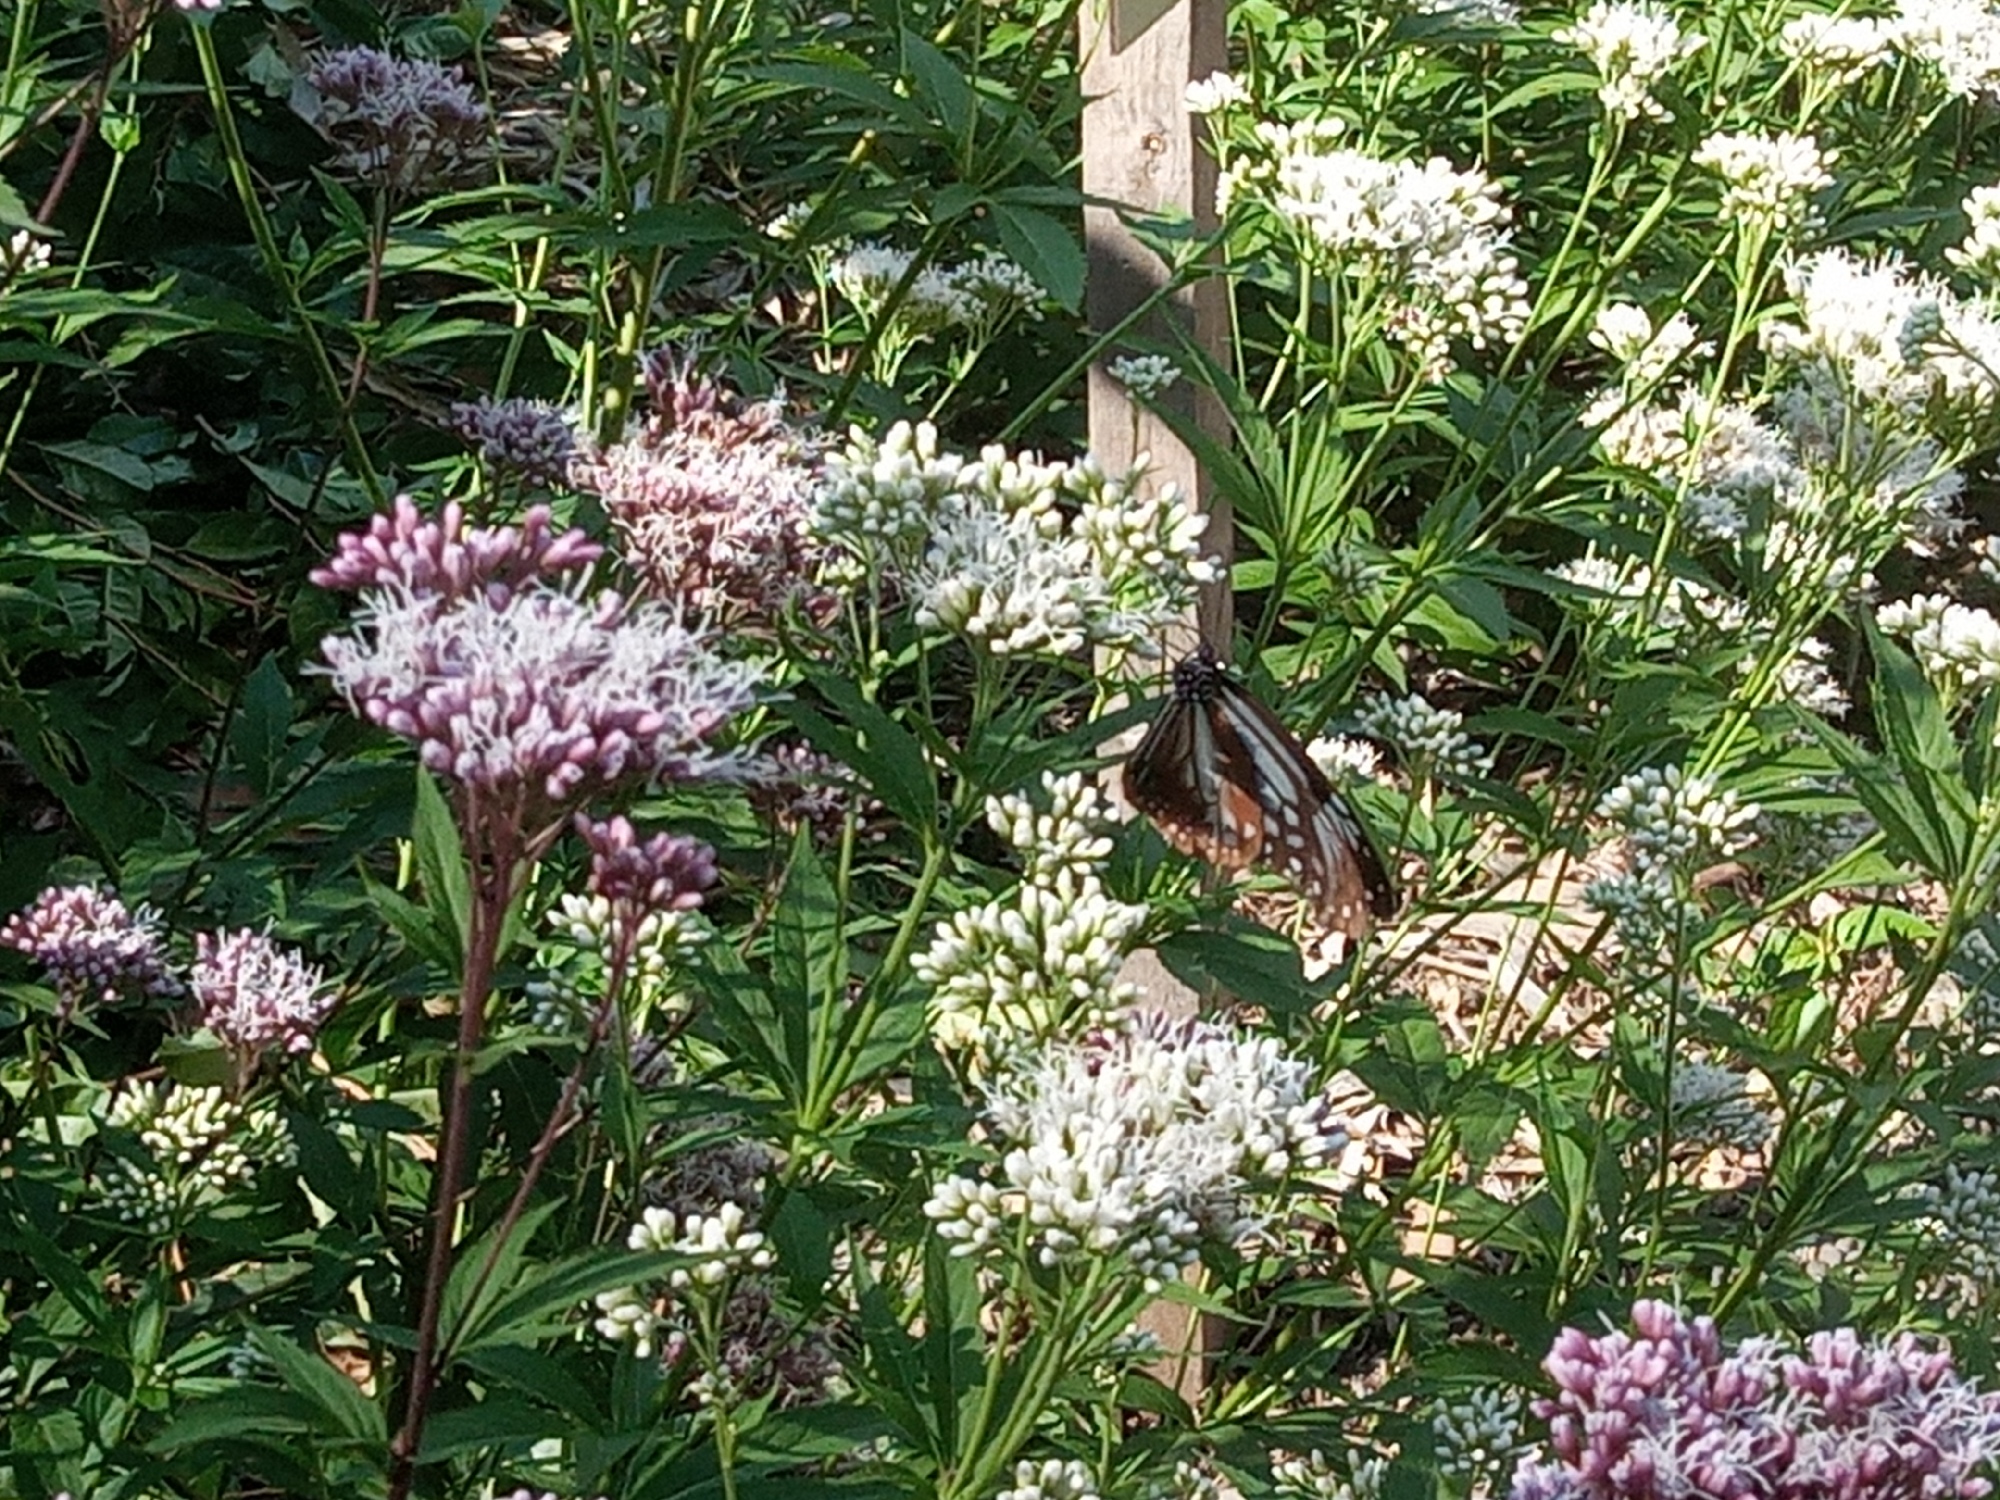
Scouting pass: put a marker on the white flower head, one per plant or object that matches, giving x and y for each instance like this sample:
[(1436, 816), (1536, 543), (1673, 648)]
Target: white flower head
[(1632, 44), (1426, 736), (1766, 179), (1143, 1141), (1216, 94), (1669, 816), (1978, 254), (1145, 375), (1841, 47), (1712, 1106)]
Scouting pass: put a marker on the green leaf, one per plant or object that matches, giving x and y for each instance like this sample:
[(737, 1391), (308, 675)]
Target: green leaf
[(340, 1410), (808, 959), (1047, 249), (263, 722), (1242, 960), (884, 754), (441, 859)]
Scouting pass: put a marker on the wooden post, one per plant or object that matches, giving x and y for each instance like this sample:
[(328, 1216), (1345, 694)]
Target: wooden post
[(1143, 152)]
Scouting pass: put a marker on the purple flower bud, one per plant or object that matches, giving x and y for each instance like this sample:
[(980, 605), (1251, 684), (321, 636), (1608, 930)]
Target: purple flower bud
[(531, 438), (91, 947), (401, 124), (254, 994), (664, 873), (441, 559), (1675, 1413)]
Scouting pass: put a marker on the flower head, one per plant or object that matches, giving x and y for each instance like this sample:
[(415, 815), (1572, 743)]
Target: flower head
[(507, 682), (445, 560), (1140, 1141), (405, 124), (1426, 736), (660, 874), (1670, 1410), (1669, 816), (92, 946), (254, 994), (1434, 235), (711, 496), (1632, 44), (1766, 179), (531, 438)]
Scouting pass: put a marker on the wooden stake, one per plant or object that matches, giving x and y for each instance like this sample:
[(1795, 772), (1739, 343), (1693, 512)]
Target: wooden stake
[(1143, 152)]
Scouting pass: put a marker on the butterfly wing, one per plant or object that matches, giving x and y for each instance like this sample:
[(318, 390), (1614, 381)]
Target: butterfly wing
[(1227, 782), (1175, 779), (1308, 833)]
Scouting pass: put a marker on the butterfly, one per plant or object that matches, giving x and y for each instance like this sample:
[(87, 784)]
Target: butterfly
[(1226, 781)]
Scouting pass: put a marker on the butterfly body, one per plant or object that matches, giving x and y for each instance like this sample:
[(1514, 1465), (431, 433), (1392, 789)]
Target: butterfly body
[(1227, 782)]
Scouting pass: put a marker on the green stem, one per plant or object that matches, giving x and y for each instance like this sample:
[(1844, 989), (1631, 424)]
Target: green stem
[(274, 261)]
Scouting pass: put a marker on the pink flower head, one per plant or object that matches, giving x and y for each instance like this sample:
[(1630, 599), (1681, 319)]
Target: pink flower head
[(663, 873), (531, 438), (401, 123), (711, 498), (444, 560), (91, 946), (1669, 1412), (538, 695), (254, 994)]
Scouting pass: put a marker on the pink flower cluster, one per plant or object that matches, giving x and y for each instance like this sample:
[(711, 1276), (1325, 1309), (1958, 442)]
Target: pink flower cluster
[(1669, 1413), (254, 994), (531, 438), (403, 124), (91, 946), (663, 873), (513, 685), (711, 496), (402, 552)]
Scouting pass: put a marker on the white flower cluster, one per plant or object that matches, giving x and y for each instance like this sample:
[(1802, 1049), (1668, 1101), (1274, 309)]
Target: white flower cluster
[(718, 1245), (1978, 254), (575, 972), (1216, 94), (1142, 1141), (1632, 44), (1669, 817), (1493, 15), (977, 295), (1015, 554), (1050, 1479), (1342, 757), (1480, 1435), (1431, 740), (20, 253), (1854, 342), (1435, 237), (1958, 647), (1310, 1477), (1146, 376), (1711, 1106), (1840, 47), (1646, 354), (1767, 180), (1029, 963), (199, 1144), (1646, 912), (1964, 1218), (1959, 38), (1714, 455)]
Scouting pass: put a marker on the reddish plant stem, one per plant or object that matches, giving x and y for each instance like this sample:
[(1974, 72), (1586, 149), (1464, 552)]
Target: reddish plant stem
[(494, 878), (86, 126), (558, 1125)]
